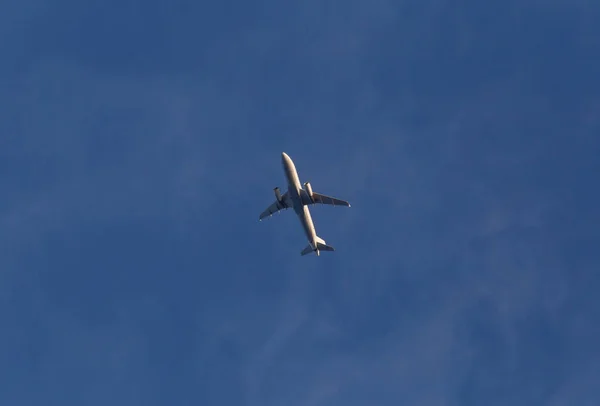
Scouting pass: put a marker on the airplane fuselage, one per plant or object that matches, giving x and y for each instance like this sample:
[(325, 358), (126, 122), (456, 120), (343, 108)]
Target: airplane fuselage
[(294, 191)]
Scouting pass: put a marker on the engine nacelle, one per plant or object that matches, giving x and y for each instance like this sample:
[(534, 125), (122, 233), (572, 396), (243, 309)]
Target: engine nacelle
[(309, 191), (277, 194)]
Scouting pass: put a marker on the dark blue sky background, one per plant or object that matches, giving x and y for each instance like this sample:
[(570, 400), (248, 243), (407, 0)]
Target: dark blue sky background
[(139, 141)]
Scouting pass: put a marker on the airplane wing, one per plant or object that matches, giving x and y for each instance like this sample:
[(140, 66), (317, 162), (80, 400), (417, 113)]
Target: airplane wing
[(322, 199), (275, 207)]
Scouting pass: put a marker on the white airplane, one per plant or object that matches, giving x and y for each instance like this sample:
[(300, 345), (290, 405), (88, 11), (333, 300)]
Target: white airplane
[(299, 199)]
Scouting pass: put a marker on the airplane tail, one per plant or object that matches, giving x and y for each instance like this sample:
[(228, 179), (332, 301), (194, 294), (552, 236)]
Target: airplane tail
[(321, 246)]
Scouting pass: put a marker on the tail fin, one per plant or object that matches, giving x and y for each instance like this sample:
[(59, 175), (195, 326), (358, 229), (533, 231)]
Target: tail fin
[(321, 246)]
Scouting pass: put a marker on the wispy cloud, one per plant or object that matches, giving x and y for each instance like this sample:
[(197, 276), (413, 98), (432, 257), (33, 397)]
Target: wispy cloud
[(454, 281)]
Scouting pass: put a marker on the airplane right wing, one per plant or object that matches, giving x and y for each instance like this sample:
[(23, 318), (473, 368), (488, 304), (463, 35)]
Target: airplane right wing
[(322, 199), (275, 207), (318, 198)]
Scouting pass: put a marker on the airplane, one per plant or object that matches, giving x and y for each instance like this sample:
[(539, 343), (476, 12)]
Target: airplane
[(299, 198)]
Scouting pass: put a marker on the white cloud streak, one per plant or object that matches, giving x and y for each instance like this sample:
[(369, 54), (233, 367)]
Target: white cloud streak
[(410, 311)]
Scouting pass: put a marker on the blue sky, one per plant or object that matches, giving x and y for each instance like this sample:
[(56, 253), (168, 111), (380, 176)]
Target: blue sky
[(139, 143)]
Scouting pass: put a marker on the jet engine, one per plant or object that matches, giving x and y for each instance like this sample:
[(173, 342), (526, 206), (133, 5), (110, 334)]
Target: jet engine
[(309, 191), (277, 194)]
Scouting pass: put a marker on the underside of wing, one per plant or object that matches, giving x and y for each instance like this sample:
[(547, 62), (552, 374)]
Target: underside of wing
[(318, 198), (275, 207)]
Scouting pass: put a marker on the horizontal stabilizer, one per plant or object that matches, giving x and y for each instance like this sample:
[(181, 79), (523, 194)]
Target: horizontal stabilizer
[(307, 250), (321, 246), (324, 247)]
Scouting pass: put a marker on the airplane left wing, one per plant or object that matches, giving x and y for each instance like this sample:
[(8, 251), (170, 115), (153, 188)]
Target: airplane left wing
[(275, 207)]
